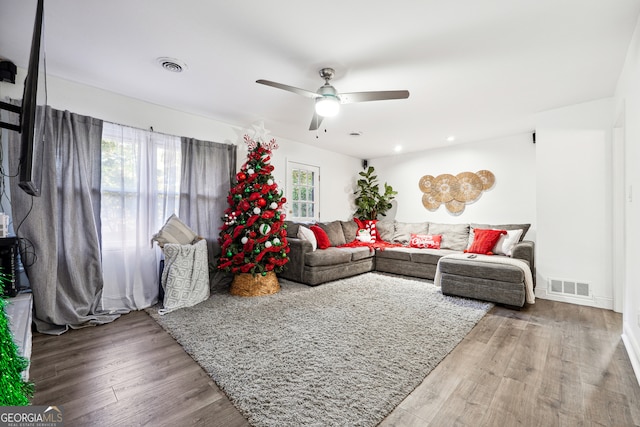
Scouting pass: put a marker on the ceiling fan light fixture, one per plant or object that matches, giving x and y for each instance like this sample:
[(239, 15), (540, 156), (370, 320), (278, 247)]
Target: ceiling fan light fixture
[(327, 106)]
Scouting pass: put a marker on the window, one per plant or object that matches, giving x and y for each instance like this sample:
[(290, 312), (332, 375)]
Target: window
[(137, 165), (140, 190), (303, 191)]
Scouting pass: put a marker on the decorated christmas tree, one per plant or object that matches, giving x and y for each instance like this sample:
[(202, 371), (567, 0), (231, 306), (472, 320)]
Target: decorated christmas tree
[(14, 390), (253, 236)]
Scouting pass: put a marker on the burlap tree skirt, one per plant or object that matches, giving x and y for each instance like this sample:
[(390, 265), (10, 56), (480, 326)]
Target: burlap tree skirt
[(248, 285)]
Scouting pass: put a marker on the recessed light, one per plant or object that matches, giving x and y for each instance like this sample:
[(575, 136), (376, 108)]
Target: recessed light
[(451, 138), (172, 64), (397, 148)]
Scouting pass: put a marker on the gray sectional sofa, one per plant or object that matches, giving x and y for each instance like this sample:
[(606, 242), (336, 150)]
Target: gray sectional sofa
[(472, 278)]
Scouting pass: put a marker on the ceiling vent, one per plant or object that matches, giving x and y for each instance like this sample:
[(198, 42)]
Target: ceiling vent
[(172, 64)]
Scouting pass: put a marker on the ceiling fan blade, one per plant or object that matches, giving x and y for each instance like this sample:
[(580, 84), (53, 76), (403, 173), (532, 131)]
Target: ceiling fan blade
[(303, 92), (315, 121), (349, 98)]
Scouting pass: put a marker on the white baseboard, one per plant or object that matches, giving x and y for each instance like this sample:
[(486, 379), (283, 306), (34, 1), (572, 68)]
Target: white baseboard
[(595, 301), (633, 350)]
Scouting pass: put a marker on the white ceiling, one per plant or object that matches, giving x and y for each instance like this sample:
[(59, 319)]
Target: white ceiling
[(475, 69)]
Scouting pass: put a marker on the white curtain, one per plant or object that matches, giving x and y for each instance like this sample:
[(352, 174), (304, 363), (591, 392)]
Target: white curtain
[(140, 189)]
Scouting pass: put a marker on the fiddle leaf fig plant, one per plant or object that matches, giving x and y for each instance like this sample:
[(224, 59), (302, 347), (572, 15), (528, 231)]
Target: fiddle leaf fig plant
[(370, 202)]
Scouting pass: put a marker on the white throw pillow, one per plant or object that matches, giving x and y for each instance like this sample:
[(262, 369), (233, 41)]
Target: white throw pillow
[(306, 234), (175, 231), (507, 242)]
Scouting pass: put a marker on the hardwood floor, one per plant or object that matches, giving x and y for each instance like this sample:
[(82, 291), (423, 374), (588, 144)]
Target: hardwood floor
[(551, 364)]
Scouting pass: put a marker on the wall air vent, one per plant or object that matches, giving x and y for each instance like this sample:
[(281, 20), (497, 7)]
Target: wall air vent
[(570, 288)]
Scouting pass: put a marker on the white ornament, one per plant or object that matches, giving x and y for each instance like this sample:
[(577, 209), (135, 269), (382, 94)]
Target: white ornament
[(264, 229), (267, 244), (230, 219), (276, 241), (250, 171), (273, 205), (269, 181), (256, 211), (244, 240)]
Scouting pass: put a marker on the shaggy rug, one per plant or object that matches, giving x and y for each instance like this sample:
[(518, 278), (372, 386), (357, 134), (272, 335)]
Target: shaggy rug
[(345, 353)]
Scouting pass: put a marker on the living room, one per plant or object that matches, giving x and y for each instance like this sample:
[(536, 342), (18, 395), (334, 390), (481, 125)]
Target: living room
[(570, 172)]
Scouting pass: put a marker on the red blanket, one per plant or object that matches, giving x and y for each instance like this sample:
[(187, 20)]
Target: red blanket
[(379, 244)]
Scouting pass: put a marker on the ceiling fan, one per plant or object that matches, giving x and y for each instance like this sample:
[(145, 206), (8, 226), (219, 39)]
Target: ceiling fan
[(328, 99)]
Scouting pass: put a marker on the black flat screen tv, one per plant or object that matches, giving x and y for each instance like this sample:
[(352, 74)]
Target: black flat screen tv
[(29, 177)]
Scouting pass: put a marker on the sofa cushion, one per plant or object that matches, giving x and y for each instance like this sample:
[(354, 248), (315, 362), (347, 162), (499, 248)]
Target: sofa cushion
[(334, 232), (402, 254), (431, 241), (482, 270), (329, 256), (454, 236), (507, 242), (321, 237), (292, 228), (403, 230), (306, 234), (386, 230), (349, 229), (359, 252), (484, 240), (430, 256), (175, 231)]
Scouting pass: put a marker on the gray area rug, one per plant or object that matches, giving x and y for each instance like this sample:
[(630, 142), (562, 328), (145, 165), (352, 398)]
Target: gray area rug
[(345, 353)]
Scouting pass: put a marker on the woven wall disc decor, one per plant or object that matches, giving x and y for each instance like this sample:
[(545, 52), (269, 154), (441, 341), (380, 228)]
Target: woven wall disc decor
[(455, 207), (455, 192), (430, 202), (470, 187), (445, 187), (426, 184), (488, 179)]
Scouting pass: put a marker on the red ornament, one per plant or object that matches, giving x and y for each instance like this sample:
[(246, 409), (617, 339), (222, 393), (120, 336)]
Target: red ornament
[(241, 176), (262, 202), (243, 205)]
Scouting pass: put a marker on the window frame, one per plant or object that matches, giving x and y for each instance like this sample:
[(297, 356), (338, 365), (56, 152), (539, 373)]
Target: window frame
[(291, 185)]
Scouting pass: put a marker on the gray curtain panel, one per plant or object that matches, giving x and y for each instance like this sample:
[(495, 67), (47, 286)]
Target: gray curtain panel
[(207, 171), (63, 224)]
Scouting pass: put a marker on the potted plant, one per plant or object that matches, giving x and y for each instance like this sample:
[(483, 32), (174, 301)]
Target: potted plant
[(370, 202)]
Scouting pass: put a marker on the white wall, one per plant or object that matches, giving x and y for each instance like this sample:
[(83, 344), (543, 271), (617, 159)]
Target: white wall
[(628, 109), (335, 169), (561, 185), (511, 200), (574, 199)]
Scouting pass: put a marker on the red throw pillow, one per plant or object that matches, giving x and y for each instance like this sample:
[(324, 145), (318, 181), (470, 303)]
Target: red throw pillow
[(321, 237), (484, 240), (425, 241)]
